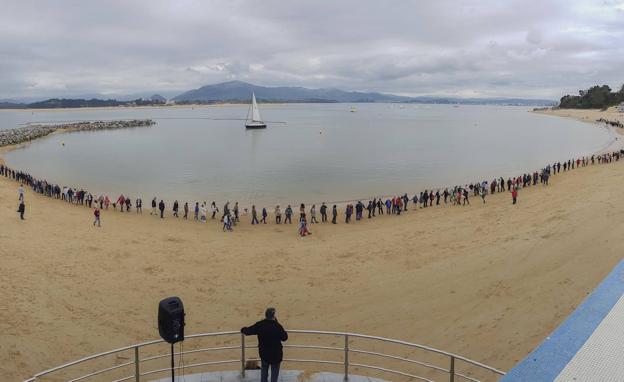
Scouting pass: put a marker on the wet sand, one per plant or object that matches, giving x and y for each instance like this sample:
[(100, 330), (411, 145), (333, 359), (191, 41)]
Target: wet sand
[(486, 281)]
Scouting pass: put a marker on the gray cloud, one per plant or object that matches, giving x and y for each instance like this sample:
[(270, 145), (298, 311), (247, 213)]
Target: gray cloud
[(464, 48)]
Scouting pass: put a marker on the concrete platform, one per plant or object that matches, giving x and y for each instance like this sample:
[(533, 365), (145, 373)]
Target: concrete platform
[(254, 376), (588, 346)]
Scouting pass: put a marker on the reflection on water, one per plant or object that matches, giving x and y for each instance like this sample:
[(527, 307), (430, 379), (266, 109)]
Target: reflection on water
[(323, 152)]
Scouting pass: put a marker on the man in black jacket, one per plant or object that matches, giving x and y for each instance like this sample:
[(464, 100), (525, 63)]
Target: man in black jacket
[(161, 207), (270, 336)]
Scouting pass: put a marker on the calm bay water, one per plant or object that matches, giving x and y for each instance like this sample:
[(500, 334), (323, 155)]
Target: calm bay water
[(320, 152)]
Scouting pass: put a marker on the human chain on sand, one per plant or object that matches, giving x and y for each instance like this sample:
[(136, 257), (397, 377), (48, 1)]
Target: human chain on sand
[(31, 132), (457, 195), (611, 123)]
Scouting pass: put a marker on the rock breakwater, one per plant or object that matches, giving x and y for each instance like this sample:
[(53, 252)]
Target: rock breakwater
[(31, 132)]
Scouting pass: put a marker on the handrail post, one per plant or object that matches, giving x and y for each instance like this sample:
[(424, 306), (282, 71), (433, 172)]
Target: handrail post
[(452, 370), (137, 374), (346, 357), (242, 355)]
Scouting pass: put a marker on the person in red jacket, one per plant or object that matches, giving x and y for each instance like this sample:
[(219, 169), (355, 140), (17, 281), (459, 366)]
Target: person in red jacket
[(96, 214), (514, 195)]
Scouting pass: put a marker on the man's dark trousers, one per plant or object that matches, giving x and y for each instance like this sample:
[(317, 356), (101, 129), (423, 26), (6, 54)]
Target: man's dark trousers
[(264, 373)]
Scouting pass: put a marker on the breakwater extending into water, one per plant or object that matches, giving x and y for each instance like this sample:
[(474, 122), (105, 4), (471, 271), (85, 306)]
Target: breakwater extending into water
[(31, 132)]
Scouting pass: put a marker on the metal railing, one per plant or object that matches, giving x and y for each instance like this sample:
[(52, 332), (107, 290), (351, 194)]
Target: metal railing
[(134, 366)]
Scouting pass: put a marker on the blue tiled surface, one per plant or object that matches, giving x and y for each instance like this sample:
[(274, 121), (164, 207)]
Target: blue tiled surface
[(553, 354)]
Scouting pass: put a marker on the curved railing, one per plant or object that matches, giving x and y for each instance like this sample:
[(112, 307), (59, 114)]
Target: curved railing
[(352, 354)]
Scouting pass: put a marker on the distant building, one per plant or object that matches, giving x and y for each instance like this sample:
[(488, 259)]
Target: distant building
[(621, 108)]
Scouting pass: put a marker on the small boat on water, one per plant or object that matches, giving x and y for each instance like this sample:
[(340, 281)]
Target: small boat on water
[(256, 121)]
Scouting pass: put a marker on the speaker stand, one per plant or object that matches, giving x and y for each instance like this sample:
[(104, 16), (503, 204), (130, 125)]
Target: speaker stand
[(172, 365)]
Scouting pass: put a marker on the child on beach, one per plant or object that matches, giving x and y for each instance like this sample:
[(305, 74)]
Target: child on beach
[(96, 214), (303, 226)]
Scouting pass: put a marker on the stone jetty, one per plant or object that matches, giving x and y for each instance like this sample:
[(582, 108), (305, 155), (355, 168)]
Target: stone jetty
[(28, 133)]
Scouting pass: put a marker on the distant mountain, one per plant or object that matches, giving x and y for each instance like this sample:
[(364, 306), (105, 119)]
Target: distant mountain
[(11, 105), (157, 98), (238, 91), (71, 103)]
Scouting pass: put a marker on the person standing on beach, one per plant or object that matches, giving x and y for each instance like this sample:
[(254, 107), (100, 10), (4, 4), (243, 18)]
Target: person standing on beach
[(20, 190), (278, 215), (289, 213), (323, 210), (264, 215), (214, 209), (185, 210), (204, 213), (21, 209), (226, 209), (196, 216), (466, 201), (161, 207), (175, 208), (96, 214), (334, 214), (236, 212), (301, 210), (514, 195), (227, 225), (139, 206), (154, 207), (270, 337), (254, 215), (121, 201), (313, 214)]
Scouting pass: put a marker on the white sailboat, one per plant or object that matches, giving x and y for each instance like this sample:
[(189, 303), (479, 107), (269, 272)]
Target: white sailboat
[(256, 121)]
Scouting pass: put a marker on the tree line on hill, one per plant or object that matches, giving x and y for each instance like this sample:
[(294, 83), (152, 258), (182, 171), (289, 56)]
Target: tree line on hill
[(54, 103), (66, 103), (596, 97)]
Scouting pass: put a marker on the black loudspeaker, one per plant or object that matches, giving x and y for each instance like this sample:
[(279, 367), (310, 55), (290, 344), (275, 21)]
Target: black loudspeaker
[(171, 320)]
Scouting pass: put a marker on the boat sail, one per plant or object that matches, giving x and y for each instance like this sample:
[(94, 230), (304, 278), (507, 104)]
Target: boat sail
[(256, 121)]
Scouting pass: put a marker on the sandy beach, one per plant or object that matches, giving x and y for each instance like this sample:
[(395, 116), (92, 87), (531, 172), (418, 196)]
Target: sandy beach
[(487, 281), (586, 115)]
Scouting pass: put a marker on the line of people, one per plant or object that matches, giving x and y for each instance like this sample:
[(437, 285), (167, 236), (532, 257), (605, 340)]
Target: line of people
[(457, 196)]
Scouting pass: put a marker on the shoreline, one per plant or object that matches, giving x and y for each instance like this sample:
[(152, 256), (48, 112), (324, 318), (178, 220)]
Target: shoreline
[(615, 145), (593, 116)]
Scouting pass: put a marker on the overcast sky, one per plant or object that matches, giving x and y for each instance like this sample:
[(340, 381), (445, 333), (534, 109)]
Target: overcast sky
[(533, 49)]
